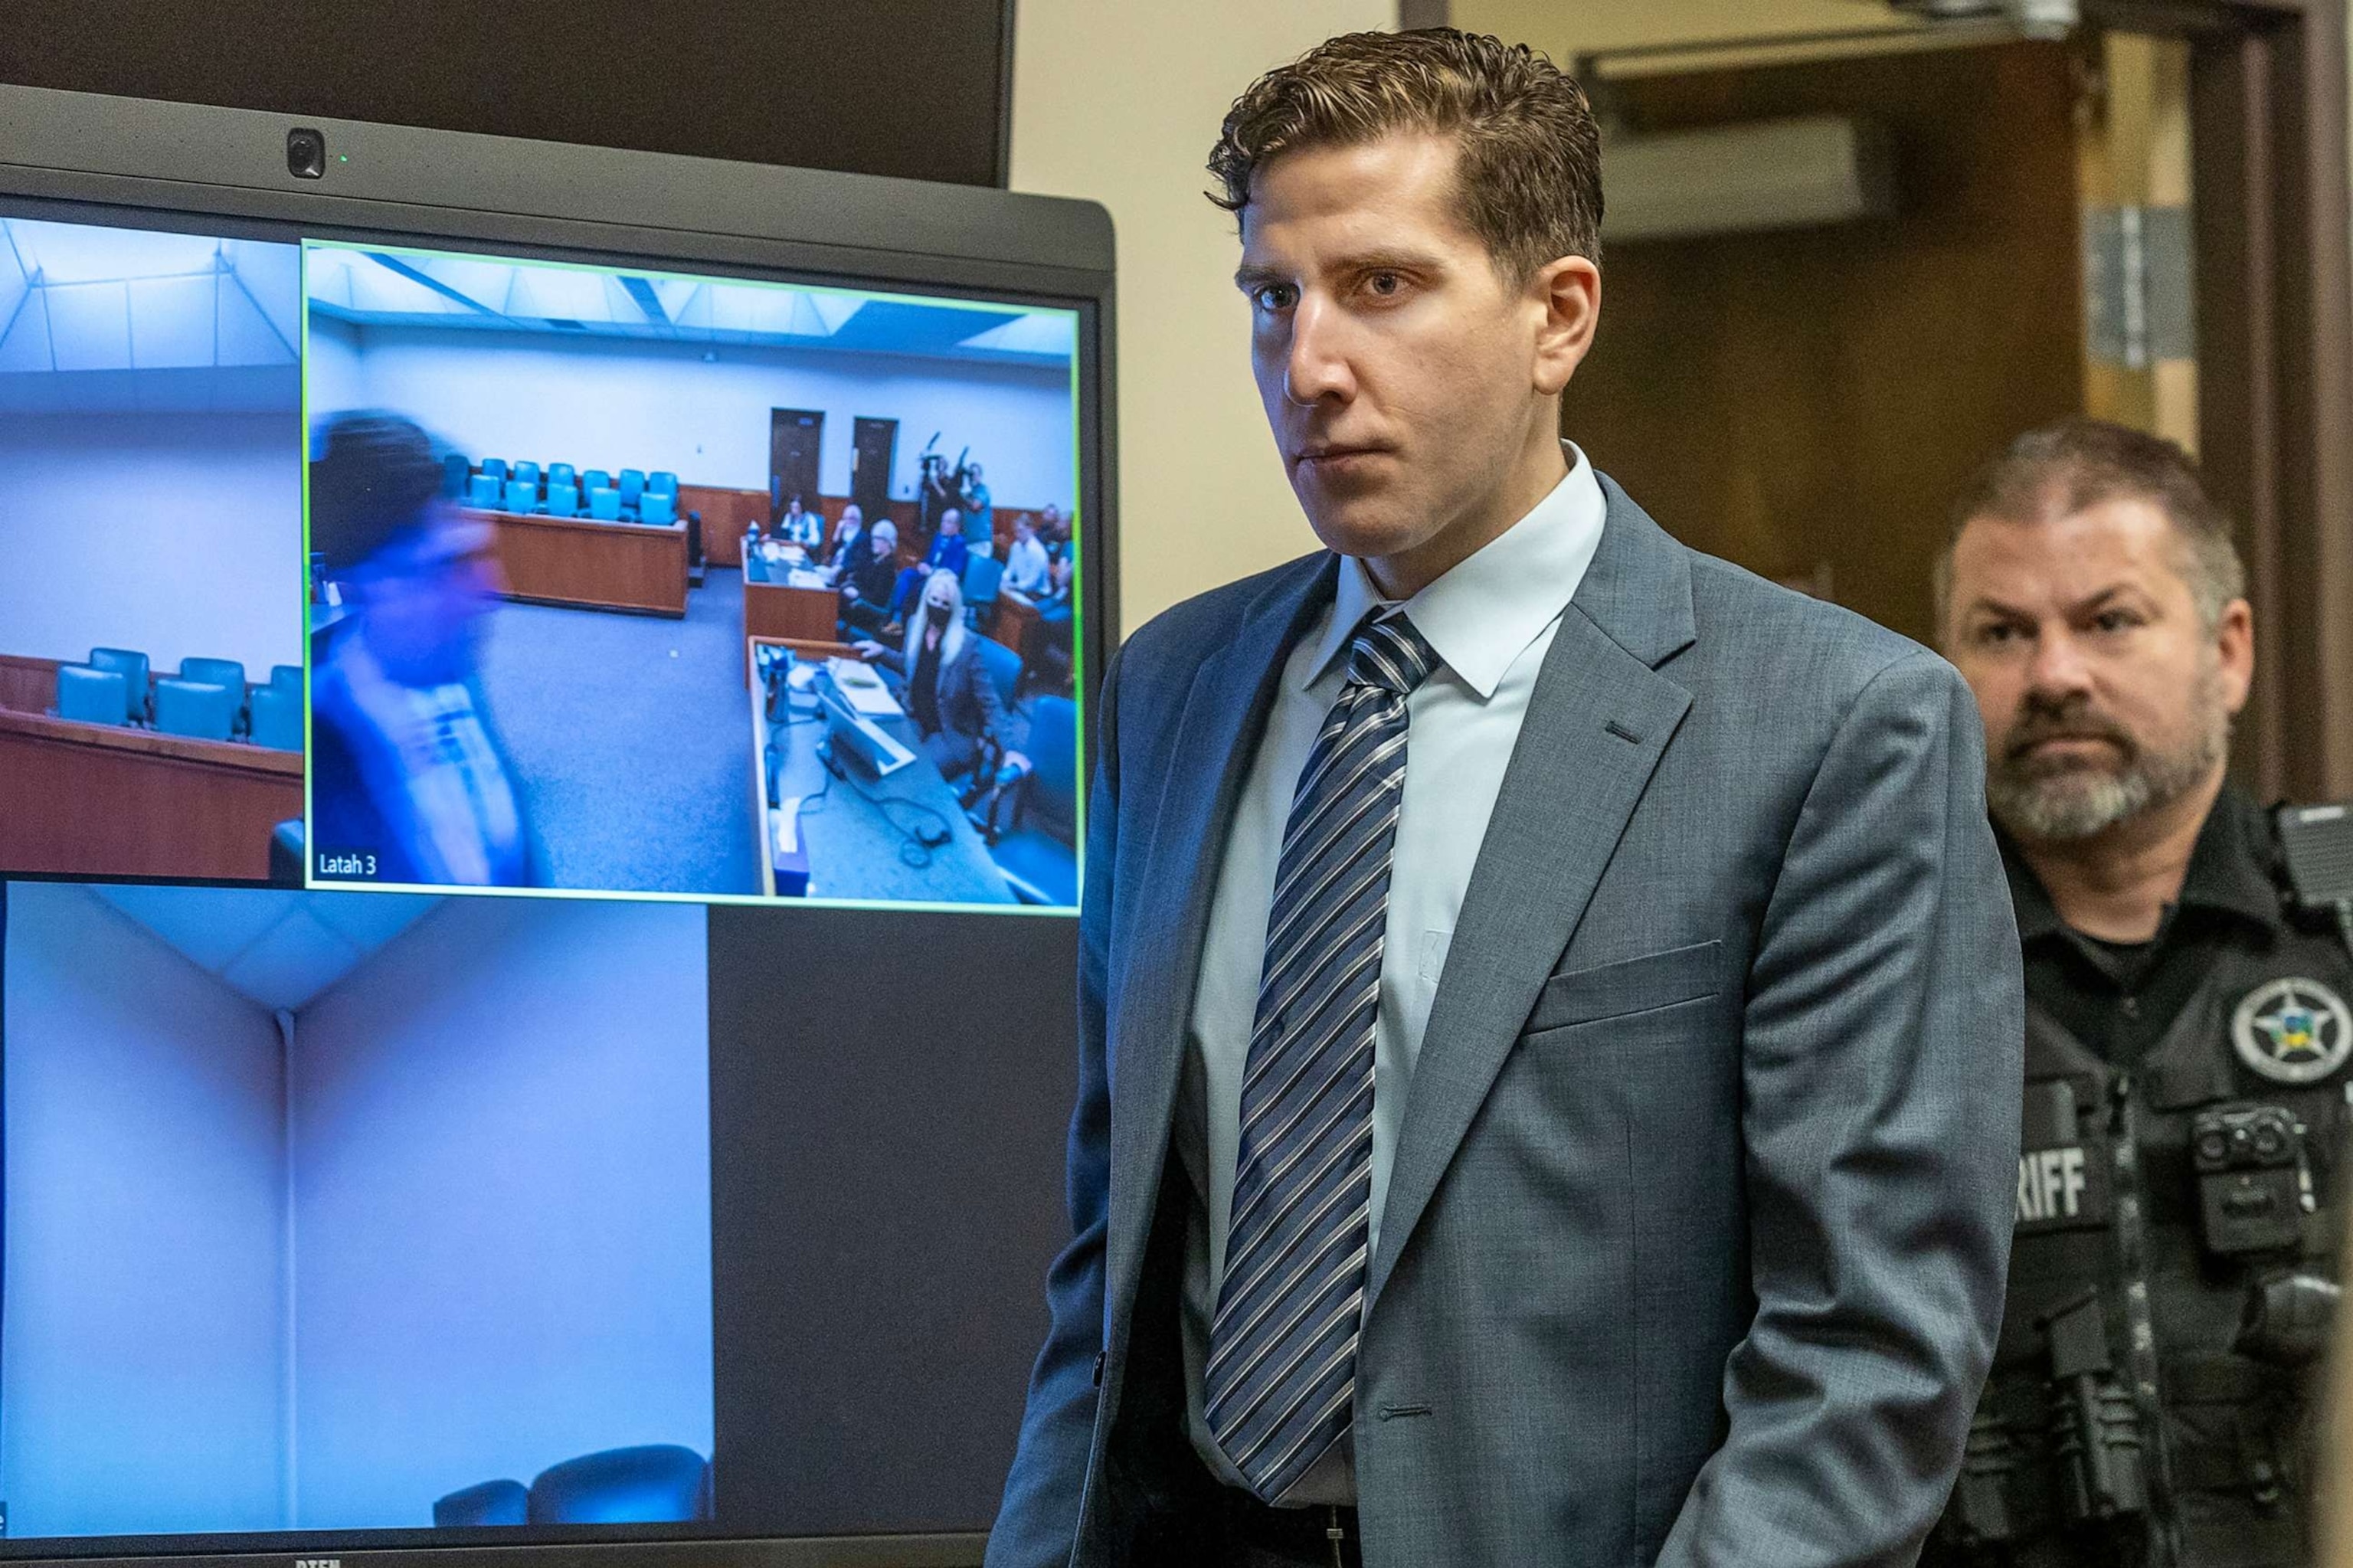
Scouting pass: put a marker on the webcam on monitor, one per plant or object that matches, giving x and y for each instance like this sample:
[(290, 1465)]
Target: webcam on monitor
[(306, 153)]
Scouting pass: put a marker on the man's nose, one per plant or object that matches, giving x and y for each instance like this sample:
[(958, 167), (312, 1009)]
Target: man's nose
[(1317, 368), (2059, 667)]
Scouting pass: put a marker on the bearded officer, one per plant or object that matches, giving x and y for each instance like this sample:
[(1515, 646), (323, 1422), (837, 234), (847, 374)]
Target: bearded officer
[(2170, 1282)]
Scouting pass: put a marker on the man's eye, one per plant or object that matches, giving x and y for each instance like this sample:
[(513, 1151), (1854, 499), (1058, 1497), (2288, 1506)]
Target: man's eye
[(1385, 284), (1273, 297), (2116, 620), (1996, 634)]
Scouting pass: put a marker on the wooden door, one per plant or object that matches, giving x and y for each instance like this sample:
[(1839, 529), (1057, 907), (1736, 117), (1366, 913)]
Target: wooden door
[(1808, 403), (874, 445), (793, 438)]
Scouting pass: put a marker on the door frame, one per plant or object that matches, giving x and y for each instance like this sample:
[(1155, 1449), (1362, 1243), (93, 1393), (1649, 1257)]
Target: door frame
[(2272, 202)]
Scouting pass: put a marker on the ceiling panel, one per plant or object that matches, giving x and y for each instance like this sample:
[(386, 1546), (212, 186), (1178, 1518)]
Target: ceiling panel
[(280, 949), (388, 289), (89, 326)]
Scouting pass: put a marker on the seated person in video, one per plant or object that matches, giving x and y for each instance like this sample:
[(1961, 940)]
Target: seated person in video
[(949, 692), (1054, 532), (871, 577), (1046, 645), (405, 768), (947, 554), (806, 529), (1026, 563), (848, 539)]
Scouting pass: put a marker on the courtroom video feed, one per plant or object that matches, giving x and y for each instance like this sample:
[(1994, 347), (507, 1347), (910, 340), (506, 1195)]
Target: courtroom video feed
[(339, 1210), (151, 529), (637, 583)]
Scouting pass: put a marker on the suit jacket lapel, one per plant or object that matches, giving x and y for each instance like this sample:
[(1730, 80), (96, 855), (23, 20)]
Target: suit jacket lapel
[(1598, 721), (1225, 711)]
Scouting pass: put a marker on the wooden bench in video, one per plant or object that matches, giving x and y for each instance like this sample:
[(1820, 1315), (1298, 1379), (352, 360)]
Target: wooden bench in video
[(96, 799), (591, 565)]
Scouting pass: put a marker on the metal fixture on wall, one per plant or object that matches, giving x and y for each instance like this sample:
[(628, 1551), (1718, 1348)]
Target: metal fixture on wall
[(2031, 18), (1737, 179)]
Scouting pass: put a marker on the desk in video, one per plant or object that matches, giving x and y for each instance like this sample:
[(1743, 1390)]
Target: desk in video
[(150, 629), (551, 507)]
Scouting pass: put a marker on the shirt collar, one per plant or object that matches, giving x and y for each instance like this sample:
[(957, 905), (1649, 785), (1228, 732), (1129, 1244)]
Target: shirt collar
[(1484, 614), (2228, 872)]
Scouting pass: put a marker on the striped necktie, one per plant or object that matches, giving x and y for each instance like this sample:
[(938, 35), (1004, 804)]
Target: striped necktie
[(1281, 1374)]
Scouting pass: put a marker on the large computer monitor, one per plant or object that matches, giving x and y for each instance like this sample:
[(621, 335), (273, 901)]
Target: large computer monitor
[(483, 1065)]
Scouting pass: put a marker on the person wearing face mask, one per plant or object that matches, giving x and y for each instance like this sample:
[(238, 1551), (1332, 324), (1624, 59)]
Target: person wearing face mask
[(949, 694), (409, 781), (2178, 1208)]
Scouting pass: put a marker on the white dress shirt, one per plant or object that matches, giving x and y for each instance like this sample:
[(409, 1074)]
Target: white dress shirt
[(1025, 567), (1491, 620)]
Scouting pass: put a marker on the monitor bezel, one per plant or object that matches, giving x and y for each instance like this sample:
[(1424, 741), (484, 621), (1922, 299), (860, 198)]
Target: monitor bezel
[(132, 162)]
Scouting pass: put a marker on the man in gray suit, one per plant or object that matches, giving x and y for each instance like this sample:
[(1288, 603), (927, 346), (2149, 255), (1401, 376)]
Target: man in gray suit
[(1547, 997)]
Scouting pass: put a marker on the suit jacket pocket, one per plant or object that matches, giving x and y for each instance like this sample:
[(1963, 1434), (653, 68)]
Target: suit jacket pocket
[(1628, 986)]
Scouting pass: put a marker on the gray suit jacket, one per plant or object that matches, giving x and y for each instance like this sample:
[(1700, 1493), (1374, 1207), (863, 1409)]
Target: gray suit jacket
[(1695, 1238)]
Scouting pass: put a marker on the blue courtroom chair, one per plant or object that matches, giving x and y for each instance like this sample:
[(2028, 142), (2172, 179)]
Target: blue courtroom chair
[(226, 673), (493, 1502), (981, 576), (482, 495), (522, 496), (277, 718), (665, 481), (219, 672), (92, 696), (197, 709), (456, 474), (594, 479), (288, 677), (658, 506), (1036, 856), (528, 472), (658, 1484), (496, 468), (1004, 667), (633, 485), (563, 499), (562, 473), (132, 667), (604, 504)]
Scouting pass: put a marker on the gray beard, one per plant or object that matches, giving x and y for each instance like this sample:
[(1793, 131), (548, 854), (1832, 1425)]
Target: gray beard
[(2079, 803)]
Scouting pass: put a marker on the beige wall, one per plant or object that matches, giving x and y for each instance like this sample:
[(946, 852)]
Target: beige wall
[(1119, 101)]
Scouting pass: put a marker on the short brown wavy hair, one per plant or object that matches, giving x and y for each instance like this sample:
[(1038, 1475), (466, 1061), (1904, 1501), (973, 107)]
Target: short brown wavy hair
[(2079, 464), (1530, 166)]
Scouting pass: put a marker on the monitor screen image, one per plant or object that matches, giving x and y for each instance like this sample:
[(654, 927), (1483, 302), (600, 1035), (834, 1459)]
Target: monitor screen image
[(330, 1213), (549, 685), (583, 673), (151, 550)]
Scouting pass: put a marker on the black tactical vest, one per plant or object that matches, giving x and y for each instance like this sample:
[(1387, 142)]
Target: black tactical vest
[(2154, 1390)]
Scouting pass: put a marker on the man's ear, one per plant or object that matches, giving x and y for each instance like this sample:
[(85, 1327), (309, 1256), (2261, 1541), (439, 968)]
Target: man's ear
[(1567, 296), (2234, 648)]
